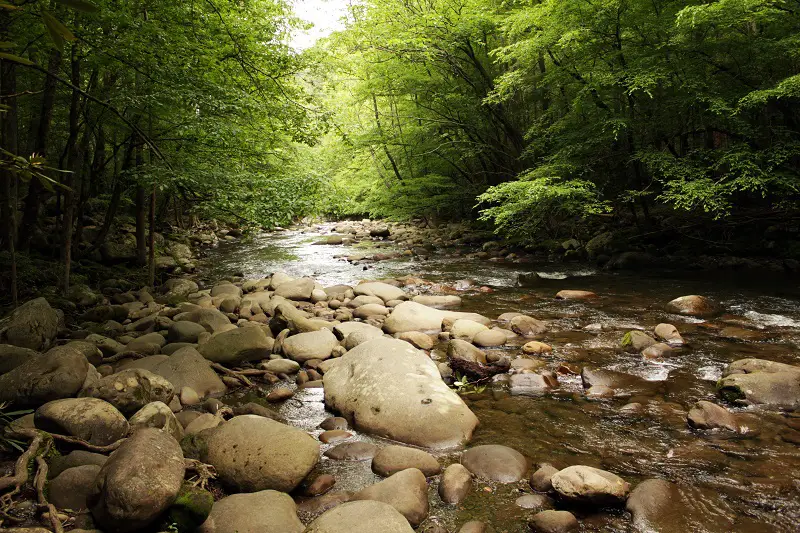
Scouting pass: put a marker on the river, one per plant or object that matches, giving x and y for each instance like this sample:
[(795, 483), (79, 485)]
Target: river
[(747, 484)]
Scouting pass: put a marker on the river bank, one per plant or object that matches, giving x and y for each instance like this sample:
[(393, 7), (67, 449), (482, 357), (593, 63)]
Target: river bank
[(565, 390)]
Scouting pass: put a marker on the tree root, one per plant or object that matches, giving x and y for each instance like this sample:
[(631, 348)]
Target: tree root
[(123, 355), (33, 433), (232, 373), (205, 473), (39, 483), (20, 477)]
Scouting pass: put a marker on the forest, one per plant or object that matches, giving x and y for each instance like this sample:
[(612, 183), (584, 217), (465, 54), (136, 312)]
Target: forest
[(538, 120), (518, 266)]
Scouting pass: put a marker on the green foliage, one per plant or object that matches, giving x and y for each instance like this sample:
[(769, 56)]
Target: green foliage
[(6, 417), (463, 385)]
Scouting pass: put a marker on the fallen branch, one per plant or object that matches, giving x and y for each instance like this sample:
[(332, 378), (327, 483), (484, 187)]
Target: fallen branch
[(232, 373), (205, 472)]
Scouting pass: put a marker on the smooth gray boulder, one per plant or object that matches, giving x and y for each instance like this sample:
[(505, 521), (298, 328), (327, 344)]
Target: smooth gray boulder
[(388, 388), (210, 318), (13, 356), (413, 316), (90, 419), (138, 482), (266, 511), (384, 291), (130, 390), (237, 346), (32, 325), (157, 415), (495, 462), (762, 382), (51, 376), (360, 517), (455, 484), (311, 345), (184, 368), (70, 489), (587, 484), (252, 453), (392, 459), (406, 491), (299, 289)]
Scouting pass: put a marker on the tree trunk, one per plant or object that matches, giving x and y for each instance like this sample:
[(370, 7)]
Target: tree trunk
[(8, 139), (75, 164), (33, 200)]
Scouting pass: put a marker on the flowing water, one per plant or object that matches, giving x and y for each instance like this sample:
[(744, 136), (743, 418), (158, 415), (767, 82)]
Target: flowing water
[(748, 484)]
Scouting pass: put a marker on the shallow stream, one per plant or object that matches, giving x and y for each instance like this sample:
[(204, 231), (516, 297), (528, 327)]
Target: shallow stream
[(728, 483)]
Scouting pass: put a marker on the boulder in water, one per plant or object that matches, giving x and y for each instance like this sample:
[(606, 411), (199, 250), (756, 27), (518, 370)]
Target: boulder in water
[(406, 491), (587, 484), (412, 316), (759, 381), (495, 462), (386, 387), (693, 305)]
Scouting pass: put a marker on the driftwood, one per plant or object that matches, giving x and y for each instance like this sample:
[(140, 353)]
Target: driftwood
[(232, 373)]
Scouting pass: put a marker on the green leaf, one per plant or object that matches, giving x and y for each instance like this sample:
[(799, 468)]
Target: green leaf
[(16, 59), (80, 5), (7, 44), (9, 6), (58, 32)]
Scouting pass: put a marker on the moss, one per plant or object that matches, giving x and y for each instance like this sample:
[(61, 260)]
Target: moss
[(194, 447), (190, 509)]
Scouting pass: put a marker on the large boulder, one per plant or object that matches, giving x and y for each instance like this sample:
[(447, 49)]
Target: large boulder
[(693, 305), (130, 390), (184, 331), (70, 488), (384, 291), (392, 459), (361, 517), (184, 368), (757, 381), (311, 345), (210, 318), (13, 356), (138, 482), (93, 420), (237, 346), (252, 453), (32, 325), (657, 506), (495, 463), (299, 289), (387, 387), (51, 376), (413, 316), (707, 415), (587, 484), (178, 289), (157, 415), (266, 511), (406, 491)]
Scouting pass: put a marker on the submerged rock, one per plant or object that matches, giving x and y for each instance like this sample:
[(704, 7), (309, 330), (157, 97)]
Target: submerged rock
[(386, 387)]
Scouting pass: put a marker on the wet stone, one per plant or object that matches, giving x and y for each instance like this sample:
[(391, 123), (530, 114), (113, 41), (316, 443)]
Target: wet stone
[(335, 435), (352, 451)]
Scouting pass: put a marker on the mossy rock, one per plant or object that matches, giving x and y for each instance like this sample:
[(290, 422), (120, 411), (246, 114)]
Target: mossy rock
[(194, 446), (190, 509)]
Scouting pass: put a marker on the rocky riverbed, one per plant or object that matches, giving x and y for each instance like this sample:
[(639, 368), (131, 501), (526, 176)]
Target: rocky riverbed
[(362, 377)]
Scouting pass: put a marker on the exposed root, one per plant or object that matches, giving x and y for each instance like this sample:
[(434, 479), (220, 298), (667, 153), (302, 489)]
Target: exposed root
[(123, 355), (204, 473), (232, 373), (20, 477), (33, 433), (39, 483)]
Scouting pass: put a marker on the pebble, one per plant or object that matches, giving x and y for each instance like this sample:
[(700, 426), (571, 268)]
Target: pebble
[(335, 435)]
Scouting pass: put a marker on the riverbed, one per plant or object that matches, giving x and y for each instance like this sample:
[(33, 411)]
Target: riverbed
[(728, 482)]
